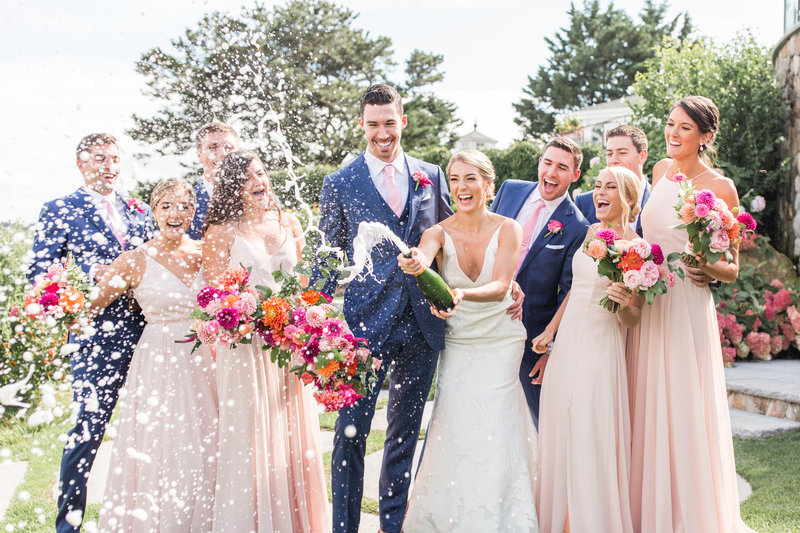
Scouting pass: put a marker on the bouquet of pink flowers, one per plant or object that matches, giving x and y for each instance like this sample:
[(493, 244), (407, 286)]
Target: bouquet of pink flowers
[(302, 329), (228, 310), (713, 228), (637, 263), (60, 297)]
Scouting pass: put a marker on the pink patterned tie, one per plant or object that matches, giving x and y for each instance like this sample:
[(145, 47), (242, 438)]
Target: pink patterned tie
[(527, 232), (392, 192), (116, 223)]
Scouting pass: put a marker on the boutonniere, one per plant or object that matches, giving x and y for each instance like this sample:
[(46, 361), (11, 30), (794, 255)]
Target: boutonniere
[(135, 205), (554, 227), (422, 179)]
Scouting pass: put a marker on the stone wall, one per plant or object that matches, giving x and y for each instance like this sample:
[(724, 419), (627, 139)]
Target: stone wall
[(786, 60)]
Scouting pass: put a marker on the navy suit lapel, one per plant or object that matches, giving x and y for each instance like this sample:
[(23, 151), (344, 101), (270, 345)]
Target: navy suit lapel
[(561, 213), (414, 196), (518, 200), (645, 197)]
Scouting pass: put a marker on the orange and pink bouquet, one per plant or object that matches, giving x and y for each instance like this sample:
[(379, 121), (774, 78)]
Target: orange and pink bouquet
[(637, 263), (60, 297), (713, 228)]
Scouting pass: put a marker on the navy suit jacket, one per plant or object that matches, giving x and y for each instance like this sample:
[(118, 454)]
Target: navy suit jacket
[(371, 302), (585, 203), (546, 273), (73, 224), (195, 231)]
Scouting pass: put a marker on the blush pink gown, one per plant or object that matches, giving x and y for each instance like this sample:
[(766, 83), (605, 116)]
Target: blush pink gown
[(683, 477), (270, 475)]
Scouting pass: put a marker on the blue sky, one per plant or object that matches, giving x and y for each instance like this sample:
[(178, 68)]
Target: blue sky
[(68, 69)]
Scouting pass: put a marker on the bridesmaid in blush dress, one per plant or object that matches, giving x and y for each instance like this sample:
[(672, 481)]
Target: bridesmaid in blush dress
[(163, 460), (584, 424), (683, 475), (270, 475)]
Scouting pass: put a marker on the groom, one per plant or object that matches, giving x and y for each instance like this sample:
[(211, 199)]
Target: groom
[(544, 271), (386, 307), (95, 224)]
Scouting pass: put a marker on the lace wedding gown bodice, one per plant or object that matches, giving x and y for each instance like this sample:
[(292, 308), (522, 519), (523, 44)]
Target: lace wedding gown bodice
[(478, 472)]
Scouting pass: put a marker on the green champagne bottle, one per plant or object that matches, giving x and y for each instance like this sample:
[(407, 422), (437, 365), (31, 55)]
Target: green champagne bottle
[(434, 289)]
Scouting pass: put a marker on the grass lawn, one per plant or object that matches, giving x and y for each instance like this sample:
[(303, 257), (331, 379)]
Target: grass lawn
[(772, 466)]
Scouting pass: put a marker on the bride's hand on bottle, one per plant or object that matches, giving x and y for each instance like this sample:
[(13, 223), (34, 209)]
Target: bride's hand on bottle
[(458, 295), (412, 265)]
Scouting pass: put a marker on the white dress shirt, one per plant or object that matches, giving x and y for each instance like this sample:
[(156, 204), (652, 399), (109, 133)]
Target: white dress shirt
[(547, 211), (99, 202), (378, 175)]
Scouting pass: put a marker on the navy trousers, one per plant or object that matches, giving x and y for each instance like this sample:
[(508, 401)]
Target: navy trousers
[(413, 364), (98, 372)]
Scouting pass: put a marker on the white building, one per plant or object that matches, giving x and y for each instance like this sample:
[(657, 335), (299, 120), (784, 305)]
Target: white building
[(596, 120), (475, 140)]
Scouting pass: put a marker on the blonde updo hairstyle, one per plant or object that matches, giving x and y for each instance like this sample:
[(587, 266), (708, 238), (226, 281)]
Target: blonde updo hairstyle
[(629, 186), (480, 161), (166, 185)]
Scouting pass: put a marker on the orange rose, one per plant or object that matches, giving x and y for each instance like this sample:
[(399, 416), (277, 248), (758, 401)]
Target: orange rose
[(71, 300)]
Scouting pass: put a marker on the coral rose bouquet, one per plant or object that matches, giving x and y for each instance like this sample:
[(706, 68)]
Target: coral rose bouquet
[(59, 298), (712, 227), (302, 330), (637, 263), (228, 309)]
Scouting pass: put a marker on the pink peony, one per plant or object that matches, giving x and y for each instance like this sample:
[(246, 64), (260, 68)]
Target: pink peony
[(701, 210), (714, 221), (706, 198), (641, 247), (632, 279), (608, 235), (228, 318), (748, 221), (597, 249), (648, 274), (720, 242), (658, 255)]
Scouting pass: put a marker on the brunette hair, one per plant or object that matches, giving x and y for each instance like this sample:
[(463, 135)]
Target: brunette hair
[(568, 145), (212, 127), (705, 114), (94, 139), (478, 160), (166, 185), (381, 94), (227, 203), (629, 186), (637, 136)]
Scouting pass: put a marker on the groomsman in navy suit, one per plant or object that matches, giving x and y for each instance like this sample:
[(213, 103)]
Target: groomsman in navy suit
[(552, 230), (625, 146), (214, 141), (386, 306), (95, 224)]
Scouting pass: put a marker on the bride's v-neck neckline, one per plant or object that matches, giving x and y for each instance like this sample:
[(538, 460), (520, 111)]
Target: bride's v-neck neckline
[(485, 254)]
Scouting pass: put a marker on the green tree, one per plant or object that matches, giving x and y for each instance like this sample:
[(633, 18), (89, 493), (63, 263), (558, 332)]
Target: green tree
[(303, 64), (593, 60), (738, 77), (432, 121)]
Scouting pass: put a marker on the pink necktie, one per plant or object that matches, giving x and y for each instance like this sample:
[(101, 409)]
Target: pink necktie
[(392, 192), (527, 232), (116, 223)]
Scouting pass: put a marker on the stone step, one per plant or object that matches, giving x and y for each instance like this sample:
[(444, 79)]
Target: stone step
[(748, 425), (765, 387)]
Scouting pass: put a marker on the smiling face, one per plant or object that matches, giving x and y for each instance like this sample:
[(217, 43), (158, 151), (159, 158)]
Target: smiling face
[(173, 213), (469, 188), (556, 172), (682, 135), (383, 126), (256, 191), (607, 201), (99, 165), (213, 148), (620, 151)]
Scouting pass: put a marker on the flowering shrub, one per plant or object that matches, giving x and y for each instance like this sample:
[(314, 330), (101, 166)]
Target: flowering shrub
[(758, 317)]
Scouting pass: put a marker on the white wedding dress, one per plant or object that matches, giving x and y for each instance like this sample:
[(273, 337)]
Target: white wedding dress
[(478, 469)]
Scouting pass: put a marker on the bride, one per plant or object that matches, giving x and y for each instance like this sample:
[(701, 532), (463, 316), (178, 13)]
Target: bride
[(269, 474), (478, 471)]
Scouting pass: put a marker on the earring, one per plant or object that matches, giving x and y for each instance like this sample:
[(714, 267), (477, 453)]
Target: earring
[(702, 147)]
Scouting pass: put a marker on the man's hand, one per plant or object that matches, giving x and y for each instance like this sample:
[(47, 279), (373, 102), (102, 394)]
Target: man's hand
[(515, 309), (538, 368)]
